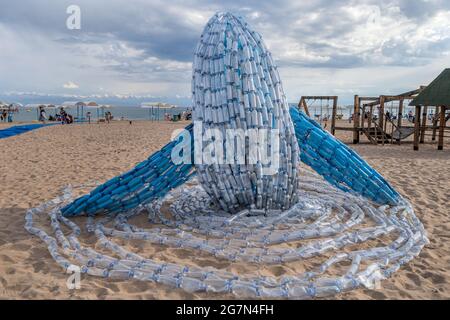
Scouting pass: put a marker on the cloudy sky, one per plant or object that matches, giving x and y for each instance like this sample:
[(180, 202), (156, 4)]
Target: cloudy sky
[(145, 47)]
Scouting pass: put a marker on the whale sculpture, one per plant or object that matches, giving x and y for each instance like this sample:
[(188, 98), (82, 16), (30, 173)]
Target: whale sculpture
[(239, 211)]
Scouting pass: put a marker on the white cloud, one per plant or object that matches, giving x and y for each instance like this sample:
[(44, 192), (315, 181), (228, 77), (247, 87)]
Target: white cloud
[(70, 85)]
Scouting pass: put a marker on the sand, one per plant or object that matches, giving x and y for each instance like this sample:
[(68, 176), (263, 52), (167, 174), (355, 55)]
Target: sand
[(35, 166)]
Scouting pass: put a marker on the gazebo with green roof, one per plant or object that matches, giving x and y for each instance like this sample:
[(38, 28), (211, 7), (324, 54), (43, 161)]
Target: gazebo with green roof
[(437, 95)]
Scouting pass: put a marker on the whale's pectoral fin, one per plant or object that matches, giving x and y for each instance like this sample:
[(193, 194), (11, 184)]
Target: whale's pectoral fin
[(337, 163), (148, 181)]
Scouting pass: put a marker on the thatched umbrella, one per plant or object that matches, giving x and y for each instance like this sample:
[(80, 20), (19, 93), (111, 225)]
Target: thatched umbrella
[(102, 109), (3, 105), (151, 106), (93, 104), (16, 105), (78, 104), (39, 106)]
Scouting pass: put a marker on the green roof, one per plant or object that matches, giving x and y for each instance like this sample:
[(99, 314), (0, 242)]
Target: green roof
[(437, 93)]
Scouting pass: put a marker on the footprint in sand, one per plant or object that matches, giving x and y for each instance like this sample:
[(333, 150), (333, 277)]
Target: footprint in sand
[(435, 278), (101, 293), (414, 278), (376, 295), (39, 266)]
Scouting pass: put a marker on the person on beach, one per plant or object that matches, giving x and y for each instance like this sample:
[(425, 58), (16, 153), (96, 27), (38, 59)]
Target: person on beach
[(63, 115), (4, 116), (88, 115), (42, 115), (108, 116), (187, 115), (10, 115), (388, 116)]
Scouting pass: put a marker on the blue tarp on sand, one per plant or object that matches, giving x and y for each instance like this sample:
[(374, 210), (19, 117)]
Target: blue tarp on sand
[(12, 131)]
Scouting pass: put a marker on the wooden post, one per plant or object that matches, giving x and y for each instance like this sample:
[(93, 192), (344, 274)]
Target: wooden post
[(416, 128), (381, 120), (302, 104), (424, 124), (400, 113), (441, 129), (363, 115), (333, 117), (435, 123), (356, 114), (400, 117)]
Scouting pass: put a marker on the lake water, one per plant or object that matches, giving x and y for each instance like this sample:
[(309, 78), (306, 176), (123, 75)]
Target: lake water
[(138, 113), (131, 113)]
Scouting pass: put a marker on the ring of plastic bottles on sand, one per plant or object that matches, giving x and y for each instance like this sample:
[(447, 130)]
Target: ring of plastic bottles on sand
[(326, 225)]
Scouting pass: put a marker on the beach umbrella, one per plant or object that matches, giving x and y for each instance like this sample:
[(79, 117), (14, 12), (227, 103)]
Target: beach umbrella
[(99, 107), (161, 105), (91, 104), (74, 104), (31, 106), (69, 104), (156, 105), (52, 107), (16, 105), (80, 104), (150, 110), (34, 106), (102, 108), (38, 106), (4, 104)]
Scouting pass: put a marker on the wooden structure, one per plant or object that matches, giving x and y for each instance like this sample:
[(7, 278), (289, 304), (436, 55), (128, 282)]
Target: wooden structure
[(436, 95), (305, 105), (383, 125), (373, 118)]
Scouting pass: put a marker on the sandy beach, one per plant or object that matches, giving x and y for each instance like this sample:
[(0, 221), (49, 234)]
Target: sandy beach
[(35, 166)]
